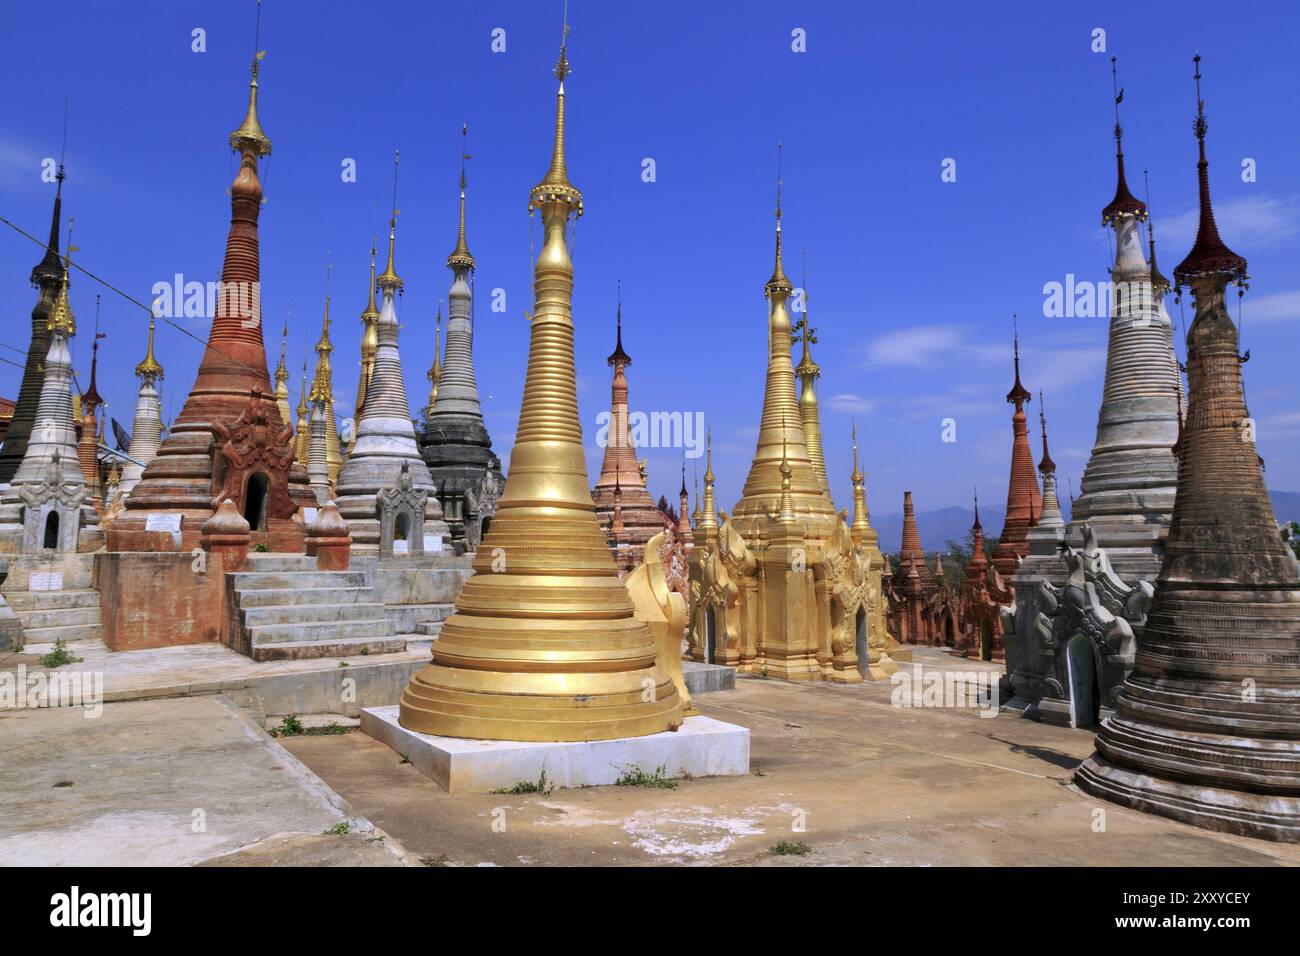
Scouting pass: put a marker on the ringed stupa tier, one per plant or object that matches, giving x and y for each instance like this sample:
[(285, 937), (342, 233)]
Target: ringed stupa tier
[(454, 441), (620, 471), (46, 276), (546, 646), (229, 439), (47, 506), (146, 428), (1207, 726), (1024, 500), (1127, 491), (384, 455)]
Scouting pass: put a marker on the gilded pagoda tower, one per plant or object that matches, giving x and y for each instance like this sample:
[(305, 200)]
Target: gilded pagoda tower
[(46, 276), (369, 339), (545, 645), (454, 441), (282, 380), (780, 587), (1207, 725), (640, 519), (1127, 491), (322, 392), (229, 440), (384, 490)]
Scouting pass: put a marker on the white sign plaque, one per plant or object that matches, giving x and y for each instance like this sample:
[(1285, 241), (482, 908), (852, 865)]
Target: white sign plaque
[(162, 521)]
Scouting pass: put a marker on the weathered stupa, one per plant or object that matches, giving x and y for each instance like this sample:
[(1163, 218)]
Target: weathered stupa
[(384, 490), (1127, 492), (146, 428), (1024, 500), (88, 423), (1207, 728), (621, 486), (228, 440), (46, 276), (454, 440), (544, 645), (1112, 546), (47, 506), (923, 608)]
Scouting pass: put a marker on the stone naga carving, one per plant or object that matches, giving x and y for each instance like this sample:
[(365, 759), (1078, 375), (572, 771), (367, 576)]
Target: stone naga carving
[(663, 611)]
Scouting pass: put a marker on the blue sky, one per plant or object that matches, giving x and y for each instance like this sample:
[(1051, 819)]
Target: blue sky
[(913, 281)]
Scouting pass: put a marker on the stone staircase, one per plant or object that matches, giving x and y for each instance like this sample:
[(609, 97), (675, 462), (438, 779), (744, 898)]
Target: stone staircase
[(433, 627), (283, 608), (71, 616)]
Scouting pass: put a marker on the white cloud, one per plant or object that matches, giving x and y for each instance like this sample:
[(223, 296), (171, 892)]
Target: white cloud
[(848, 402), (1258, 222), (1277, 307)]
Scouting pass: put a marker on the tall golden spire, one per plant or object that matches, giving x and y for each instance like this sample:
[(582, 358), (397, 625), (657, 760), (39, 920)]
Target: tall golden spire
[(434, 374), (281, 378), (250, 131), (782, 424), (389, 278), (545, 647), (61, 317), (302, 427), (369, 337), (322, 388), (708, 518), (860, 520), (808, 372)]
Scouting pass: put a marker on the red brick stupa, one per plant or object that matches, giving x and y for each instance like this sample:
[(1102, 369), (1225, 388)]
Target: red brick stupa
[(621, 488), (229, 440), (1024, 500)]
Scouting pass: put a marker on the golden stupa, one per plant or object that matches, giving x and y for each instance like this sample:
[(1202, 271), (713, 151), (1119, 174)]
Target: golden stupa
[(544, 644), (784, 587)]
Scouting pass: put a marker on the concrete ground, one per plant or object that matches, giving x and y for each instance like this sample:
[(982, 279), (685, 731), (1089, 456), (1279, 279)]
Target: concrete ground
[(837, 768), (173, 782)]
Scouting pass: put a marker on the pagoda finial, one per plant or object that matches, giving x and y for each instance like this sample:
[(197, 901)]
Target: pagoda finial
[(1209, 254), (1124, 203), (150, 365), (1018, 394), (460, 257), (389, 279), (618, 356), (434, 375), (1046, 465), (555, 186), (806, 368), (50, 267), (250, 131), (90, 398), (977, 526), (857, 475), (371, 311), (61, 317), (778, 282), (1158, 282)]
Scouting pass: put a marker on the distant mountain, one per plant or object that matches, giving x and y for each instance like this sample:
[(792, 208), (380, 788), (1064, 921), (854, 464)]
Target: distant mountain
[(1286, 504), (944, 524)]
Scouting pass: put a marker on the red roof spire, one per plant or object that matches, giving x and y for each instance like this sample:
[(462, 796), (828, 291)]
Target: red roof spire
[(1209, 253), (618, 356), (1018, 394), (1046, 465), (1124, 203)]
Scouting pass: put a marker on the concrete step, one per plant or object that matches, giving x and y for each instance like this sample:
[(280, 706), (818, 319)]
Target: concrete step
[(281, 562), (406, 618), (50, 600), (320, 631), (311, 613), (260, 580), (60, 617), (284, 597), (344, 647), (69, 634), (429, 628)]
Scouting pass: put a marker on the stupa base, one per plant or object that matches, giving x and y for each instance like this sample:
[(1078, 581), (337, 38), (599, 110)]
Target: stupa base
[(1266, 816), (701, 747)]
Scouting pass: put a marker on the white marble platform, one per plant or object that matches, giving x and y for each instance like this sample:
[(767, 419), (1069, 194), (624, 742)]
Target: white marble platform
[(701, 747)]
